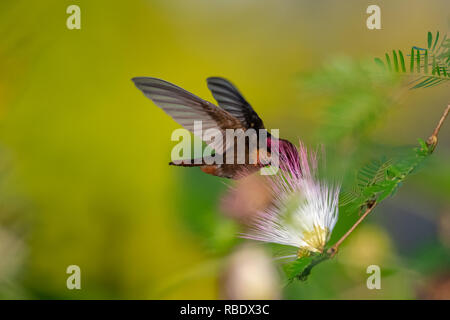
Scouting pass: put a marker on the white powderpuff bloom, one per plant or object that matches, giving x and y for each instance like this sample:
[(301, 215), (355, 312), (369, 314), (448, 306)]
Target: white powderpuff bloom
[(305, 209)]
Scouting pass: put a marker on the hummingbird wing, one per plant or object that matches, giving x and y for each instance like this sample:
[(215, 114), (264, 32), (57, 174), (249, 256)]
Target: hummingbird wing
[(230, 99), (185, 108)]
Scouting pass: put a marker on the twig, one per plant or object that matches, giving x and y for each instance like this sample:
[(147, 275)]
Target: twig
[(431, 142), (334, 249), (433, 139)]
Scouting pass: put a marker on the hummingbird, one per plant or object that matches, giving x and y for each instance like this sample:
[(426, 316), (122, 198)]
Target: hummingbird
[(233, 112)]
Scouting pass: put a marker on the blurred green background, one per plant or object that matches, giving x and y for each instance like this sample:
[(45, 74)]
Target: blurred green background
[(84, 178)]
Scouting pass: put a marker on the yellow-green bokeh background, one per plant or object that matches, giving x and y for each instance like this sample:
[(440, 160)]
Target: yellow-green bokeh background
[(85, 178)]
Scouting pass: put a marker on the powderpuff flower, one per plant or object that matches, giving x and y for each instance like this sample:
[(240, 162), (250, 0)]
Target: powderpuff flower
[(304, 210)]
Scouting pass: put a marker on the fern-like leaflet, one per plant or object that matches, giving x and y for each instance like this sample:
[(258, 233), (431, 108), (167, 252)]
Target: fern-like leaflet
[(428, 66), (381, 178)]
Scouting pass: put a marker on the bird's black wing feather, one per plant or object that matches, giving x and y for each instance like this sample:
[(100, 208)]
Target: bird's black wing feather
[(185, 108), (231, 100)]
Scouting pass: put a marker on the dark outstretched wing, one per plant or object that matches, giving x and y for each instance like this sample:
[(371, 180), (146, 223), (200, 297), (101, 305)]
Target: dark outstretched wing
[(230, 99), (185, 108)]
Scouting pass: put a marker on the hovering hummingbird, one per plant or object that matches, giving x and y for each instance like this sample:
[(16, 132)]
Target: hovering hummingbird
[(234, 112)]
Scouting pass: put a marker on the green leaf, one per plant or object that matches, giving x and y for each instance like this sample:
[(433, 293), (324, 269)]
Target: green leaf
[(297, 267), (348, 196), (357, 95), (388, 189), (380, 179), (436, 41), (436, 56), (373, 172), (394, 55), (422, 143), (411, 65), (418, 61), (379, 62), (433, 70), (402, 60), (388, 62)]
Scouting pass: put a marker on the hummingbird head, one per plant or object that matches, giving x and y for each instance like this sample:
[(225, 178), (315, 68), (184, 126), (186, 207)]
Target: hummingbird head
[(288, 155)]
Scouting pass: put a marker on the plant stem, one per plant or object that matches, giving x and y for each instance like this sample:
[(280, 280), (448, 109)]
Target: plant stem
[(334, 249), (431, 142), (433, 139)]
